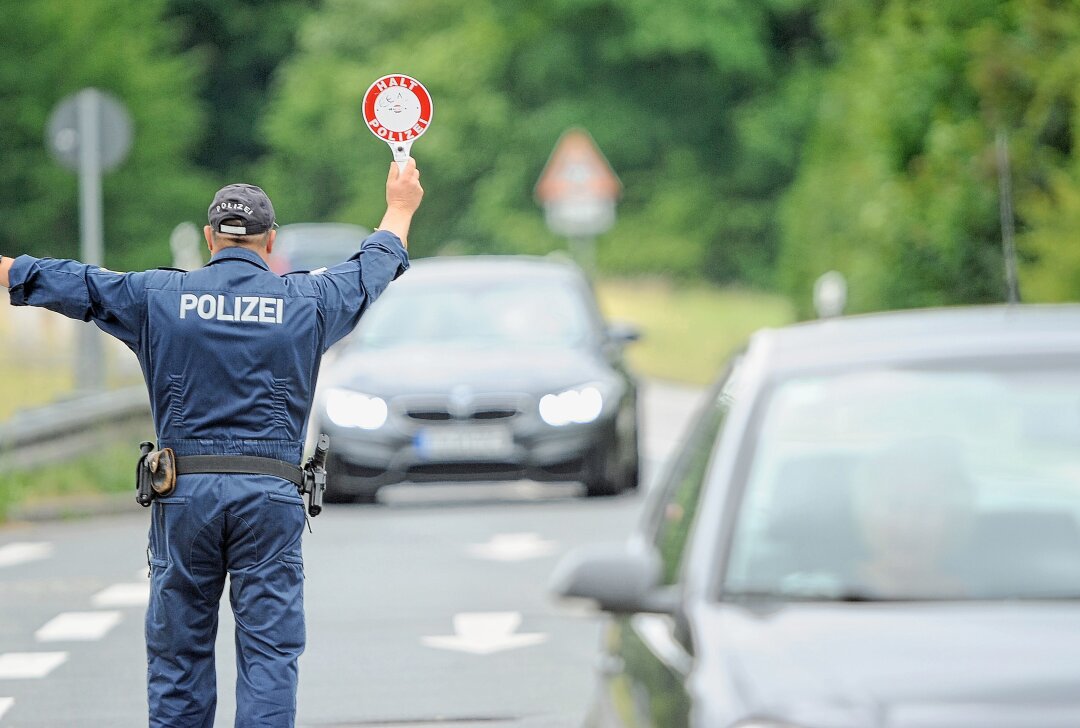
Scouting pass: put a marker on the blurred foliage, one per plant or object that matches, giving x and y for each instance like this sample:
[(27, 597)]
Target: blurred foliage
[(238, 44), (698, 105), (758, 141), (899, 185), (51, 49)]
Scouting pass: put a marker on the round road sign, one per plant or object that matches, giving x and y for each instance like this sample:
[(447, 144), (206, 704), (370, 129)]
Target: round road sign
[(101, 113), (397, 109)]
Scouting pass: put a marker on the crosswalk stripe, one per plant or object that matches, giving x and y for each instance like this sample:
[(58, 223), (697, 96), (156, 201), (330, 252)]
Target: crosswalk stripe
[(123, 595), (21, 665), (5, 704), (81, 626), (19, 552)]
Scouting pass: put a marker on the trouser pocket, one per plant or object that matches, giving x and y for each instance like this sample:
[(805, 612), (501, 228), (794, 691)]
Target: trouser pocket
[(164, 515)]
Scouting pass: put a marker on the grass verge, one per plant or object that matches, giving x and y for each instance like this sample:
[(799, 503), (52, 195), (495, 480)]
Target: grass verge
[(110, 469), (688, 330), (24, 385)]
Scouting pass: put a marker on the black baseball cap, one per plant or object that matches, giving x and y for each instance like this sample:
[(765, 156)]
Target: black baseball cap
[(241, 209)]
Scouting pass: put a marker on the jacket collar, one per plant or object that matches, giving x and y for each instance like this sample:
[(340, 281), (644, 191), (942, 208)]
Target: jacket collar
[(237, 253)]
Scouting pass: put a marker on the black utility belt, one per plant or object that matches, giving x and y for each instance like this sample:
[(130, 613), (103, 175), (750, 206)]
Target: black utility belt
[(156, 473), (239, 465)]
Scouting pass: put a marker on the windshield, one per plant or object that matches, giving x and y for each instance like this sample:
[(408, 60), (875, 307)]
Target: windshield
[(914, 485), (510, 314)]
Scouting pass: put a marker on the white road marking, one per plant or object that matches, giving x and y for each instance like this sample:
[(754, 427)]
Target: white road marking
[(513, 547), (123, 595), (5, 704), (19, 552), (21, 665), (483, 633), (82, 626)]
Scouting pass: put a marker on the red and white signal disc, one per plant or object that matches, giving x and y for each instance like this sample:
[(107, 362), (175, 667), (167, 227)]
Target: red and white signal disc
[(397, 108)]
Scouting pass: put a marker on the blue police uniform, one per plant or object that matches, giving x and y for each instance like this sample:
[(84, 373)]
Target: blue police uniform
[(230, 354)]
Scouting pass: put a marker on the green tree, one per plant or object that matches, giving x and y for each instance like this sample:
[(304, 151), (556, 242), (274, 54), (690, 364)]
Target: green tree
[(51, 49), (898, 188), (699, 107), (239, 45)]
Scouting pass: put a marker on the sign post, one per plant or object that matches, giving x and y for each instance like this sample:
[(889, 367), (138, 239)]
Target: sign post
[(578, 190), (398, 109), (90, 132)]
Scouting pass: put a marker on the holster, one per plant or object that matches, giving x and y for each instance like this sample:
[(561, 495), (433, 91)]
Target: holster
[(155, 474)]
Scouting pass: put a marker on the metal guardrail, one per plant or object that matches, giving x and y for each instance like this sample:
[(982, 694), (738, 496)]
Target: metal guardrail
[(70, 428)]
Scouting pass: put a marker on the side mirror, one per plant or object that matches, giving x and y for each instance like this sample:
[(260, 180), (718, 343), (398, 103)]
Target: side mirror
[(619, 578), (622, 333)]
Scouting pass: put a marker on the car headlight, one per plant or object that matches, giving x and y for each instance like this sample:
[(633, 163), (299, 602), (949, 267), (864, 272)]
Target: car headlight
[(346, 408), (579, 405)]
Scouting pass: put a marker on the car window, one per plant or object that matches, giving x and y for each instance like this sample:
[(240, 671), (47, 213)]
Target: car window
[(914, 484), (681, 487), (509, 313)]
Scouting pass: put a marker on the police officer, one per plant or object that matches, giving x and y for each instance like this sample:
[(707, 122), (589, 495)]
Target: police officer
[(230, 354)]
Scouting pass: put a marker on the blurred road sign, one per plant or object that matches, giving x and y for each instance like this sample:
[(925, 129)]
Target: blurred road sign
[(90, 131), (830, 294), (108, 120), (398, 109), (578, 188), (185, 242)]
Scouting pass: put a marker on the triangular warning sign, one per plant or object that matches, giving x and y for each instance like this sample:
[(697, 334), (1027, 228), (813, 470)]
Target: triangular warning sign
[(577, 168)]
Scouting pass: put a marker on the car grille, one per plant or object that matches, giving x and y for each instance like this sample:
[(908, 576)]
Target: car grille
[(435, 414), (429, 415)]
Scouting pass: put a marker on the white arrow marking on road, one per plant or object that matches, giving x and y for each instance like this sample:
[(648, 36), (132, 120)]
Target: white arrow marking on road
[(5, 703), (82, 626), (20, 665), (482, 633), (123, 595), (20, 552), (513, 547)]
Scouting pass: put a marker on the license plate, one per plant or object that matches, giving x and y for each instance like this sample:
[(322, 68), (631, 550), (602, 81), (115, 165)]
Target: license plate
[(460, 443)]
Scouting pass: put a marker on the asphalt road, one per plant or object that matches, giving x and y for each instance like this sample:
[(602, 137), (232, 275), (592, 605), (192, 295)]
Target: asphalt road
[(428, 610)]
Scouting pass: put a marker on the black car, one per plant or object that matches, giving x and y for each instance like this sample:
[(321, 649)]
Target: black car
[(481, 368), (314, 245), (874, 524)]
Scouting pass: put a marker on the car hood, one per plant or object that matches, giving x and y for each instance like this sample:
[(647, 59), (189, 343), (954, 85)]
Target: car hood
[(425, 369), (910, 665)]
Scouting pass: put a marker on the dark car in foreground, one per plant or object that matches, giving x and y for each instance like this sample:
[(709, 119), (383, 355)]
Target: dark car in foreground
[(874, 524), (481, 368)]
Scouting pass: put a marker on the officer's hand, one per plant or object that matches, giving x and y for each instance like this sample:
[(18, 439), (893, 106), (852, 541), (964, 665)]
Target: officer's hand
[(403, 190)]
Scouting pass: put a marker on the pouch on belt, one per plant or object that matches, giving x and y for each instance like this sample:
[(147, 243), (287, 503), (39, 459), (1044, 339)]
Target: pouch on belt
[(155, 475), (162, 467)]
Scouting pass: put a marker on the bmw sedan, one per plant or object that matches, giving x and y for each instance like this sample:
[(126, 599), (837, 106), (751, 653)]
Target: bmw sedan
[(481, 369), (874, 524)]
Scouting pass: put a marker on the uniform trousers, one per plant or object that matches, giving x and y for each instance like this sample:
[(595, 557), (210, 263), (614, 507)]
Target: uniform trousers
[(249, 527)]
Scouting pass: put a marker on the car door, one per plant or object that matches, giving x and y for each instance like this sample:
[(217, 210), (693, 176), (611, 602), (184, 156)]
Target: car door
[(645, 658)]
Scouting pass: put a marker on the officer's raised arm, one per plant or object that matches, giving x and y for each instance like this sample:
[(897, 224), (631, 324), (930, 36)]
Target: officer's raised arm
[(403, 195), (5, 266)]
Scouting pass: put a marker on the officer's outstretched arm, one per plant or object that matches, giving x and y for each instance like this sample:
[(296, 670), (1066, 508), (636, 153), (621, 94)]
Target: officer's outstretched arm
[(403, 195), (5, 266)]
